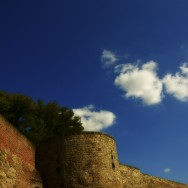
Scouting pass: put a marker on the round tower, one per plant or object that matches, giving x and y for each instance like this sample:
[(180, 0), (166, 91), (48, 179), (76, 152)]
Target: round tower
[(81, 160)]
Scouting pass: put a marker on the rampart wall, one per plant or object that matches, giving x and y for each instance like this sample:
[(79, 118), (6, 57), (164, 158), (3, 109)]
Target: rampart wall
[(90, 160), (85, 160), (155, 182), (133, 178), (17, 159)]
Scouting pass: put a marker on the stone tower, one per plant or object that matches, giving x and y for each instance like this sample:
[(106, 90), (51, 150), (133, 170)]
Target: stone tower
[(82, 160), (85, 160)]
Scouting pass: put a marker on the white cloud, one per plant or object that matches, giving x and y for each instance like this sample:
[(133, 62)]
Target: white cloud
[(167, 170), (108, 58), (141, 82), (95, 120), (177, 85)]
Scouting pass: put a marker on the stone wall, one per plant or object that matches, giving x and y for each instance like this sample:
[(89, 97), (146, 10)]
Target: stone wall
[(17, 159), (155, 182), (131, 177), (90, 160), (79, 161), (86, 160)]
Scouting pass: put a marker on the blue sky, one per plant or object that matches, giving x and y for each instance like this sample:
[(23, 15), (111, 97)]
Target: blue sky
[(121, 65)]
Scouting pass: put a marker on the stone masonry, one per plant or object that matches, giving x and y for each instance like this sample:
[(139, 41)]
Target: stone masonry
[(85, 160), (77, 161), (90, 160), (17, 159)]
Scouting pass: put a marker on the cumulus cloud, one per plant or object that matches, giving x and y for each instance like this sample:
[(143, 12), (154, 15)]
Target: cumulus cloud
[(140, 82), (167, 170), (95, 120), (108, 58), (177, 85)]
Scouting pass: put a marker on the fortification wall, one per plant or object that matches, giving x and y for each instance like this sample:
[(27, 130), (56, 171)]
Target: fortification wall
[(131, 177), (17, 159), (90, 160), (82, 160), (79, 161), (155, 182)]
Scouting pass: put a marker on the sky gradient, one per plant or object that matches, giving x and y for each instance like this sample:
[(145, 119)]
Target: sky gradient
[(121, 65)]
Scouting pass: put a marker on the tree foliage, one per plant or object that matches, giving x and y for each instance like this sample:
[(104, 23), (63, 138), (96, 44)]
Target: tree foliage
[(38, 121)]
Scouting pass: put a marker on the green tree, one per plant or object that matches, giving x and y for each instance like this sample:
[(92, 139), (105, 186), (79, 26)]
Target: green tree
[(38, 121)]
